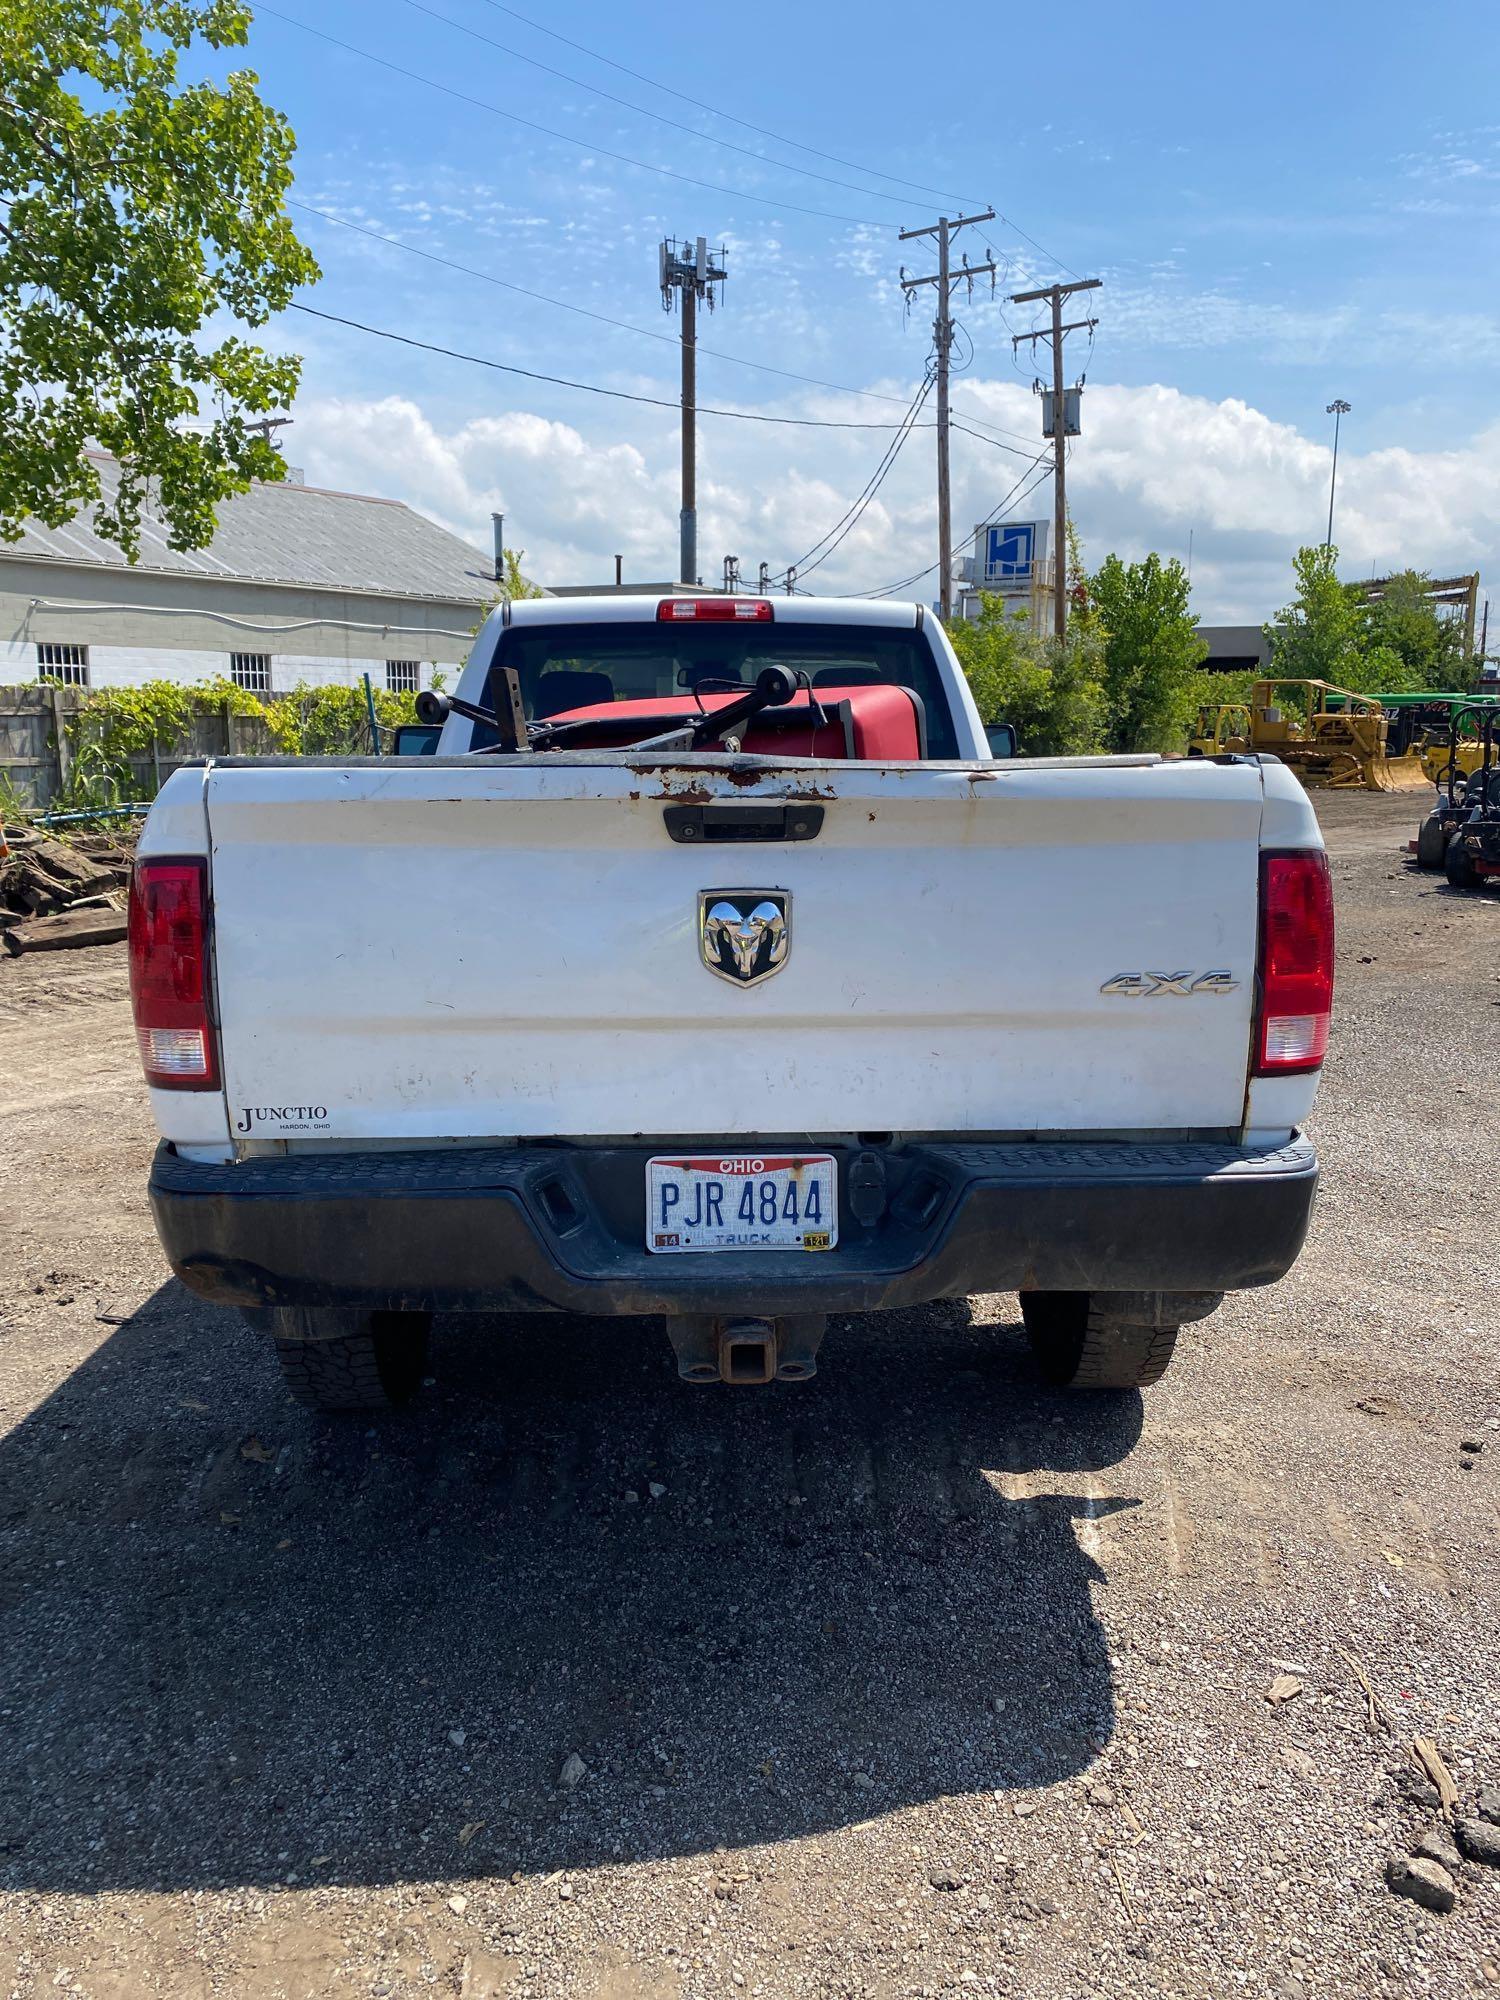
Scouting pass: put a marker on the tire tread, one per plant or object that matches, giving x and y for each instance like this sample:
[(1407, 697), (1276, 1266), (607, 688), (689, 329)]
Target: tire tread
[(374, 1364), (1123, 1357), (1079, 1346), (1460, 870)]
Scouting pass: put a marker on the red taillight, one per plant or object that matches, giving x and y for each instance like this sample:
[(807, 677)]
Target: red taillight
[(169, 974), (708, 610), (1296, 963)]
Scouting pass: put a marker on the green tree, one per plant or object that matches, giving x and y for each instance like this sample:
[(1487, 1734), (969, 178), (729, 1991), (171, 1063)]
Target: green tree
[(1317, 636), (1053, 694), (1151, 652), (1429, 648), (136, 208), (517, 584)]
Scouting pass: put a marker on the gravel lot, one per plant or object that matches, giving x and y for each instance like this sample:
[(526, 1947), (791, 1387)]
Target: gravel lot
[(920, 1678)]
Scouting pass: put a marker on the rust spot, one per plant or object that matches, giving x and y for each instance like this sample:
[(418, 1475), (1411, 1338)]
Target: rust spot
[(870, 815)]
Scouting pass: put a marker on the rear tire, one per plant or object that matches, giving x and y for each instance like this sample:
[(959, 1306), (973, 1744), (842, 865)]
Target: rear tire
[(1078, 1347), (350, 1361), (1460, 870), (1431, 844)]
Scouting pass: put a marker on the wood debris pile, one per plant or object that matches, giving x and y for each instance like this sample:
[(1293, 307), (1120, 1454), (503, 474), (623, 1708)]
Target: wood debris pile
[(57, 894)]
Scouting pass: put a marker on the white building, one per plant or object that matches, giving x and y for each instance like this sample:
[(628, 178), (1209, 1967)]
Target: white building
[(1011, 561), (297, 585)]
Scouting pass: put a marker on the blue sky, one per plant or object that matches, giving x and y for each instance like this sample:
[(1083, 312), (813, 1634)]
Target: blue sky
[(1285, 204)]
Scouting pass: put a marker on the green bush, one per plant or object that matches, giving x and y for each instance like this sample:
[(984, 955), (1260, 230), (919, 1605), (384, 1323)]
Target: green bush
[(114, 726), (1151, 651), (1053, 694)]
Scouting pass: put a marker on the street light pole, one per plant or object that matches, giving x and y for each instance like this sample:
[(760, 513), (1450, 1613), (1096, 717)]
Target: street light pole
[(1336, 409)]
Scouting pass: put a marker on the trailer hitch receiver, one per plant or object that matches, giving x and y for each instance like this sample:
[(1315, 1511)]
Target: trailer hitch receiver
[(744, 1349)]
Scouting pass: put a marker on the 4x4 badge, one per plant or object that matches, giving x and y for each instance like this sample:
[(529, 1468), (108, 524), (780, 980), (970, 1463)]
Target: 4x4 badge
[(744, 935), (1133, 985)]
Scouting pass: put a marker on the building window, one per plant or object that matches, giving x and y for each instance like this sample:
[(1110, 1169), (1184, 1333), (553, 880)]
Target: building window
[(67, 664), (403, 676), (252, 671)]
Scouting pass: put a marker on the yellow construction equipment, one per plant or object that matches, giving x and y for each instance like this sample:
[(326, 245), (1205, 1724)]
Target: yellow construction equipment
[(1221, 726), (1438, 747), (1330, 736)]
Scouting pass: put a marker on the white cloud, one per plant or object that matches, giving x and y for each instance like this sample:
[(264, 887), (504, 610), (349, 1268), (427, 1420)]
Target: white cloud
[(1153, 465)]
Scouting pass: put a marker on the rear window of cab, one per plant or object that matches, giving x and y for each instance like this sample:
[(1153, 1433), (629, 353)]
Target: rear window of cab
[(562, 667)]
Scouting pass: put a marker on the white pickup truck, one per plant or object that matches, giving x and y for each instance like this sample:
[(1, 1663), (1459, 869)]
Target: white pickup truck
[(714, 968)]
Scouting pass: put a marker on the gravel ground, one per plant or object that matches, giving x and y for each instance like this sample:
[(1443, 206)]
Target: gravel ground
[(919, 1678)]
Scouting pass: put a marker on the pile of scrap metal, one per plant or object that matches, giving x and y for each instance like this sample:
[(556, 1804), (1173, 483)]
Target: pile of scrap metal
[(1330, 736), (57, 894)]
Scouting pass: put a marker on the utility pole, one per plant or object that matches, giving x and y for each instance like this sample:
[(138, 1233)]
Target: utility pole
[(1056, 294), (1477, 660), (943, 281), (265, 426), (1336, 409), (692, 270)]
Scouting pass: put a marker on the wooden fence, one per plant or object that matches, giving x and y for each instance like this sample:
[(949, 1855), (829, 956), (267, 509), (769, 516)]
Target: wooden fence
[(34, 757)]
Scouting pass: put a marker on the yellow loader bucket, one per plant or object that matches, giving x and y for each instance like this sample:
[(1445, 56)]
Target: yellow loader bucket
[(1407, 773)]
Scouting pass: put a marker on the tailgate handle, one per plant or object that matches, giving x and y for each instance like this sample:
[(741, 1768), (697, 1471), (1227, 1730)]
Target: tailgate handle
[(710, 826)]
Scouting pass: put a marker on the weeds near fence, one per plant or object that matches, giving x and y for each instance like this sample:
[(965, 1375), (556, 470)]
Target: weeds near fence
[(14, 810), (116, 736)]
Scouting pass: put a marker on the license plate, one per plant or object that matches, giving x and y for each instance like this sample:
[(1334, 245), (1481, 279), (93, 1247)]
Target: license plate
[(742, 1201)]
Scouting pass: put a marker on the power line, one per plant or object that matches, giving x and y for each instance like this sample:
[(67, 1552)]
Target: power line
[(591, 388), (852, 514), (645, 111), (999, 443), (627, 396), (888, 589), (624, 325), (1013, 496), (567, 138), (718, 110), (1048, 254)]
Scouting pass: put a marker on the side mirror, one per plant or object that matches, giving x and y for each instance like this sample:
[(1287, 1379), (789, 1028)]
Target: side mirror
[(416, 739), (1002, 740)]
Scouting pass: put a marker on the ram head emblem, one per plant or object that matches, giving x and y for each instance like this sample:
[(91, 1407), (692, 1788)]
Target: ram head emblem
[(744, 935)]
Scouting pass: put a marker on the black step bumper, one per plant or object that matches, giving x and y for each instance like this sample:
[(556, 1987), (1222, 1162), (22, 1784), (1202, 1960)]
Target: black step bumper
[(562, 1228)]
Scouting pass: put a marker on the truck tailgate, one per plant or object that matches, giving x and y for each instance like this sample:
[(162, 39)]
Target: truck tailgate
[(480, 947)]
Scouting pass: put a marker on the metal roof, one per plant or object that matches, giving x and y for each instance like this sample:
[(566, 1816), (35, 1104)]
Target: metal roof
[(289, 534)]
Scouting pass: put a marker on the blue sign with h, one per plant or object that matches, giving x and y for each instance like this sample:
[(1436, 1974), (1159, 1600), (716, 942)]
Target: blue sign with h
[(1008, 550)]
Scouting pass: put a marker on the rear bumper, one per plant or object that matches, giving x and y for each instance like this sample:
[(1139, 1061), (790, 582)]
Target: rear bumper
[(562, 1228)]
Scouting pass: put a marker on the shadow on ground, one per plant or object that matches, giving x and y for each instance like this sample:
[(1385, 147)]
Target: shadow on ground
[(245, 1644)]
